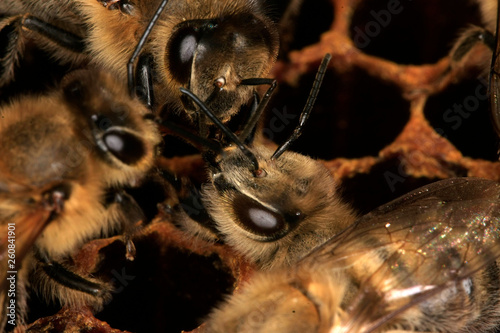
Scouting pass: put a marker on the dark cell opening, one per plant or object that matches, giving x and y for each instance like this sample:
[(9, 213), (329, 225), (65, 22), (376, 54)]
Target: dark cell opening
[(461, 115), (400, 30), (167, 290), (355, 115), (305, 28), (385, 181)]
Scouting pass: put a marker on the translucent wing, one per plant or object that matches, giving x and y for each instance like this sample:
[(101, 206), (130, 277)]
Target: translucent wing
[(413, 249), (17, 238), (23, 217)]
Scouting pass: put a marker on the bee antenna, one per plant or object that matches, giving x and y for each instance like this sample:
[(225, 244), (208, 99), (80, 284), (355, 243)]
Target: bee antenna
[(191, 137), (307, 108), (140, 45), (262, 105), (222, 127)]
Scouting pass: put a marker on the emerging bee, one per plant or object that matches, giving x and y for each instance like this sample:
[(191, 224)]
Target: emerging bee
[(426, 262), (272, 206), (218, 49), (62, 153)]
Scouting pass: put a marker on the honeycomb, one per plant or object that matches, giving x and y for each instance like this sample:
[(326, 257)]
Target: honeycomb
[(392, 115)]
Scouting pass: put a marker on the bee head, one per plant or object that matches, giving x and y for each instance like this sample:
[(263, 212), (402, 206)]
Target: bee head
[(115, 126), (213, 58)]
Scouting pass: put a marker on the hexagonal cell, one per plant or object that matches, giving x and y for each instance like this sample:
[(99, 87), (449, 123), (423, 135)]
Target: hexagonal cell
[(303, 24), (461, 114), (355, 115), (387, 180), (402, 31), (167, 290)]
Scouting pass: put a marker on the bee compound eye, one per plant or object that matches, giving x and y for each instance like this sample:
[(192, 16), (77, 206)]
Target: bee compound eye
[(187, 47), (184, 44), (182, 47), (258, 219), (125, 146), (263, 219)]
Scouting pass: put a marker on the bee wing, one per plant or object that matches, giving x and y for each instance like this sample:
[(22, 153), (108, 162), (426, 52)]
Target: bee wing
[(17, 238), (415, 247)]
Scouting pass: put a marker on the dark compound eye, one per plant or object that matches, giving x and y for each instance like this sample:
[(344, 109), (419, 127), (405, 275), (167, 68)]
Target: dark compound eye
[(258, 219), (125, 146), (263, 219), (183, 45)]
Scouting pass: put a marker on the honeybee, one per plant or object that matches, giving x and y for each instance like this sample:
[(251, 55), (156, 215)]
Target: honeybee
[(473, 35), (63, 154), (271, 206), (218, 49), (487, 35), (425, 262)]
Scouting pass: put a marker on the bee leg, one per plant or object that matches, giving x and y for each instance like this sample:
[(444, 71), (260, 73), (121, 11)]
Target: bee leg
[(57, 35), (63, 276), (198, 141), (184, 208), (248, 139), (287, 26), (18, 28), (468, 40), (463, 46), (10, 30), (256, 114), (131, 216), (144, 81), (140, 45)]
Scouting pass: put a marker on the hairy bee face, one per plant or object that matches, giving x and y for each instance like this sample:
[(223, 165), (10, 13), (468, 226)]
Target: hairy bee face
[(273, 207), (210, 47), (25, 22), (426, 262), (61, 153), (36, 160), (212, 57), (81, 139), (118, 133), (206, 46), (279, 214)]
